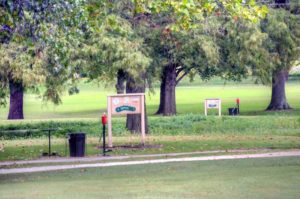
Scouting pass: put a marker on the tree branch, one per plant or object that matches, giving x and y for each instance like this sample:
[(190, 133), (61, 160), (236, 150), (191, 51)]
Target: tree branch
[(179, 70), (181, 77)]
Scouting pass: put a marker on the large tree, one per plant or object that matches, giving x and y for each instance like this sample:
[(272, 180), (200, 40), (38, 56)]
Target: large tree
[(266, 51), (182, 35), (178, 54), (36, 40), (283, 42), (115, 52)]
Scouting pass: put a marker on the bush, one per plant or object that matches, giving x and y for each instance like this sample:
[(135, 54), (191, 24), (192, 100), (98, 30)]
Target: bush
[(39, 129), (190, 124), (294, 77)]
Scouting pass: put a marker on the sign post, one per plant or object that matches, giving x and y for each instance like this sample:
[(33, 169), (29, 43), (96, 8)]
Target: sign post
[(124, 104), (212, 104)]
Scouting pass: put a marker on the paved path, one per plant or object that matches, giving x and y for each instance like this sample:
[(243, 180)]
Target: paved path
[(100, 157), (155, 161)]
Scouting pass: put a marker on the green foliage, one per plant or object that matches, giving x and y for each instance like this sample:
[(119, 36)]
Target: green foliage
[(187, 14), (241, 50), (37, 39), (260, 49), (127, 27), (39, 129), (21, 63), (111, 44), (283, 43), (104, 55), (185, 34)]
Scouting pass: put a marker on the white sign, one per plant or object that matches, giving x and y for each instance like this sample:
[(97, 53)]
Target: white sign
[(212, 104), (126, 104)]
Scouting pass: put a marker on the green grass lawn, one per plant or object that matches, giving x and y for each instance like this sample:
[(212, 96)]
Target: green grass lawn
[(189, 131), (32, 148), (255, 128), (227, 179), (91, 101), (183, 133)]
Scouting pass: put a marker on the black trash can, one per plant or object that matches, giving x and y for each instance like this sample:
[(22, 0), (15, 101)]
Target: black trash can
[(233, 111), (77, 144)]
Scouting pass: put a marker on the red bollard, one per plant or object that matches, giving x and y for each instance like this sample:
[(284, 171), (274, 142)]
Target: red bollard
[(238, 104), (104, 119), (104, 122)]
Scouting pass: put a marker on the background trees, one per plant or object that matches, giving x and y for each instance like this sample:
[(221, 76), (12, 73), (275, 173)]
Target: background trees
[(53, 42), (183, 37)]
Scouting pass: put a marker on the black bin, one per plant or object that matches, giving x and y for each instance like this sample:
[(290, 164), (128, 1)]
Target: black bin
[(77, 144), (233, 111)]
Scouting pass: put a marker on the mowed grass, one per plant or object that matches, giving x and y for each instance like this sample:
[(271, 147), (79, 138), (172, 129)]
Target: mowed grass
[(189, 131), (264, 178), (91, 101), (183, 133), (33, 148)]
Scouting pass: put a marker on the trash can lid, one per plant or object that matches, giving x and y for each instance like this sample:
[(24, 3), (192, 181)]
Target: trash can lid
[(77, 134)]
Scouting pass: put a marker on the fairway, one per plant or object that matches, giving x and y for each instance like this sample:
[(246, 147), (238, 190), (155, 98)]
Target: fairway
[(248, 178), (91, 101)]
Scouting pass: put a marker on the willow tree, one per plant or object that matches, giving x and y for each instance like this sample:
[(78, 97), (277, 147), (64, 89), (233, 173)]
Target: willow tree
[(36, 41), (113, 51)]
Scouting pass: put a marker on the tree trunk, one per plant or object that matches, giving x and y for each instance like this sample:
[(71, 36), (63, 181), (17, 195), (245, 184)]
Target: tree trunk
[(167, 105), (278, 100), (121, 78), (16, 100), (133, 121)]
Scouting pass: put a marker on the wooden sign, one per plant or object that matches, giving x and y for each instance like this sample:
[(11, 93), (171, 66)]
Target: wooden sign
[(124, 104), (212, 104), (121, 105)]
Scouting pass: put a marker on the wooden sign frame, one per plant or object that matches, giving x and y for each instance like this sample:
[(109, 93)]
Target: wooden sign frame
[(123, 104), (217, 105)]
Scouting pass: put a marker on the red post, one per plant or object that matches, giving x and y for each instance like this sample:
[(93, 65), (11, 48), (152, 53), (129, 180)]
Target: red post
[(238, 104), (104, 122), (104, 119)]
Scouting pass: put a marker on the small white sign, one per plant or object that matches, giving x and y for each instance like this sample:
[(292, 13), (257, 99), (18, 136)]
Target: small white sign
[(212, 104)]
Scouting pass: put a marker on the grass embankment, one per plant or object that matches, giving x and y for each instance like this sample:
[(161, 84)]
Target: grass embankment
[(184, 133), (248, 178)]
